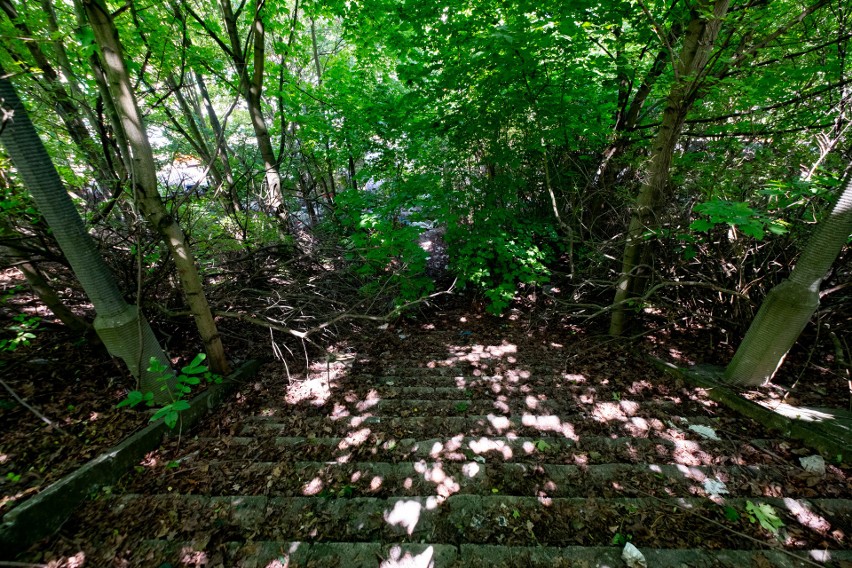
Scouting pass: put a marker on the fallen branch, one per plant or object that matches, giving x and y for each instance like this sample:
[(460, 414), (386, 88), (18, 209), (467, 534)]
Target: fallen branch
[(305, 335), (653, 290), (384, 318), (41, 416)]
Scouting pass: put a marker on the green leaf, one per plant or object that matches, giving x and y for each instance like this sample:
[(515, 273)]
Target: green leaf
[(161, 412), (133, 398), (731, 514), (765, 515), (195, 367), (171, 419), (701, 225), (752, 229), (155, 366)]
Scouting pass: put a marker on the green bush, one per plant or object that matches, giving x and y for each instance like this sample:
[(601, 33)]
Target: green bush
[(383, 250), (496, 254)]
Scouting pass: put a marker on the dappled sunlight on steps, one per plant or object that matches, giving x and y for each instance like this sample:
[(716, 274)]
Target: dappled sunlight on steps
[(483, 455)]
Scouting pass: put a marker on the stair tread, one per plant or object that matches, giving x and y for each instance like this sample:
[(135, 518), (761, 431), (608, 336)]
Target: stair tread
[(261, 554)]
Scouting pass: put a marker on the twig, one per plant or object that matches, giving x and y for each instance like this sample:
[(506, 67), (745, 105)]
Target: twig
[(44, 418), (834, 289), (725, 527), (653, 290), (663, 36), (386, 317), (804, 367)]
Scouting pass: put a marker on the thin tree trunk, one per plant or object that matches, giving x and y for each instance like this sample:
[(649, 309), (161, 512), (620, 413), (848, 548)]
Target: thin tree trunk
[(120, 161), (252, 90), (697, 47), (144, 177), (221, 144)]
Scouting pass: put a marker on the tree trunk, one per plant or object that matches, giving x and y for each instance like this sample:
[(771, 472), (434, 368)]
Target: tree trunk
[(689, 72), (252, 91), (789, 306), (144, 177), (124, 331)]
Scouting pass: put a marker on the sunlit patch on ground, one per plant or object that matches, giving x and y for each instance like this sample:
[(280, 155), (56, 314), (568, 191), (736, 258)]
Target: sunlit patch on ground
[(313, 487), (397, 558), (414, 442), (406, 513), (444, 484), (191, 557), (316, 391)]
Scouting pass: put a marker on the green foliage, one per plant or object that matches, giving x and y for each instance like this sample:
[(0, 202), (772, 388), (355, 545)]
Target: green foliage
[(22, 328), (189, 376), (736, 214), (731, 514), (497, 253), (765, 515), (786, 195), (383, 248)]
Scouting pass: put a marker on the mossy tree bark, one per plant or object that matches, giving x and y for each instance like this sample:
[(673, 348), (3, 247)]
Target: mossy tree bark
[(144, 177), (690, 72), (789, 306)]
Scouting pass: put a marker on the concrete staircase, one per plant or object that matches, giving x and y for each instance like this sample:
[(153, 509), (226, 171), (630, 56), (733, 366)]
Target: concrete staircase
[(449, 451)]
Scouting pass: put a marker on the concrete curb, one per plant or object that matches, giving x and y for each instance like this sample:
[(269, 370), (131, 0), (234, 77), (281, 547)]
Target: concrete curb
[(831, 439), (42, 515)]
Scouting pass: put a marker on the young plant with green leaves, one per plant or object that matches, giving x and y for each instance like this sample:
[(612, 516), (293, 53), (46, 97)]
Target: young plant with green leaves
[(22, 328), (190, 376)]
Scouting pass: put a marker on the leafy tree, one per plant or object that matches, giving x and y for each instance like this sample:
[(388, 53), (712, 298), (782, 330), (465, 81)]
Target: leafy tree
[(143, 170)]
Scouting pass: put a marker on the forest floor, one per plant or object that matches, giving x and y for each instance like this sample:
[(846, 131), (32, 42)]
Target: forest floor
[(470, 438), (59, 394)]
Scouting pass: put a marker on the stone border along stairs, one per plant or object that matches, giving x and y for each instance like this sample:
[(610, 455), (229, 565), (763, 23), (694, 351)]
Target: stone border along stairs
[(827, 430), (436, 467), (43, 514)]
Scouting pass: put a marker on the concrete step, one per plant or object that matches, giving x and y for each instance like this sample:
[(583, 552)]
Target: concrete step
[(548, 449), (511, 381), (457, 402), (264, 554), (475, 519), (429, 477), (529, 424)]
